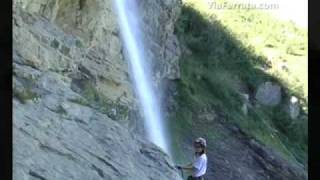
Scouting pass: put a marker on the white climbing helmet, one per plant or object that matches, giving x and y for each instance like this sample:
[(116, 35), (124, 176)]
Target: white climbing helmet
[(201, 141)]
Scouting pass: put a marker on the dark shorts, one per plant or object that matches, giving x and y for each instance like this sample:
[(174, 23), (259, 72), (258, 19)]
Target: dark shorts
[(195, 178)]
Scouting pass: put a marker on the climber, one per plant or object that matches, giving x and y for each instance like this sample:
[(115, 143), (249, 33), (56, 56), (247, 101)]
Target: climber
[(199, 165)]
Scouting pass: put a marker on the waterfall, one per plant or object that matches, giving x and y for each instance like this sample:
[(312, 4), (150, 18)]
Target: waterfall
[(128, 19)]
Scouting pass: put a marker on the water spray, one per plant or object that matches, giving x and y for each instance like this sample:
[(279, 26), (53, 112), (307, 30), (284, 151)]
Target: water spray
[(129, 22)]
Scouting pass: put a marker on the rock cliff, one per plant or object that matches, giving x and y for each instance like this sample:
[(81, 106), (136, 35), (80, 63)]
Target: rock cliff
[(75, 115)]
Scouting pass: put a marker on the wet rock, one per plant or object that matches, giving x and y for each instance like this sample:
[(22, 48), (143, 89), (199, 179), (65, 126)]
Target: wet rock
[(164, 56)]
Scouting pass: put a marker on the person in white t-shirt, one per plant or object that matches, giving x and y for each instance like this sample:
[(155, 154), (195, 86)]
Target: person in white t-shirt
[(199, 165)]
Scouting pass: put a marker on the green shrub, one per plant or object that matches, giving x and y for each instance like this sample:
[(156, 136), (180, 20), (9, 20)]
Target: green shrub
[(24, 95), (98, 101)]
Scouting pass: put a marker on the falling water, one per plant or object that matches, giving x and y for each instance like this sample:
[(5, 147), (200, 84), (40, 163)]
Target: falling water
[(132, 38)]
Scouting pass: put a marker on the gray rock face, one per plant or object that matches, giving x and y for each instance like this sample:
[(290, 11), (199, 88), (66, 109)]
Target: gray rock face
[(56, 138), (75, 115), (164, 56), (269, 94)]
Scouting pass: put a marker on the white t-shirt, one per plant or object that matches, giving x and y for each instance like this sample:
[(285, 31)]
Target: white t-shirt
[(200, 163)]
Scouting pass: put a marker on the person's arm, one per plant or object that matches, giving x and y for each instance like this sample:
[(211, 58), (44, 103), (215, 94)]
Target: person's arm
[(194, 166), (188, 167)]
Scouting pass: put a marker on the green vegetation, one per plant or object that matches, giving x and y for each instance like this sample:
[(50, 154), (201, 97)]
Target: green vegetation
[(98, 101), (80, 101), (24, 95), (235, 47)]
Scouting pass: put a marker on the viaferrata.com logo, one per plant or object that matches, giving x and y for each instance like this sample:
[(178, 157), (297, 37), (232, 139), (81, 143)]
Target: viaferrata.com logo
[(240, 5)]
